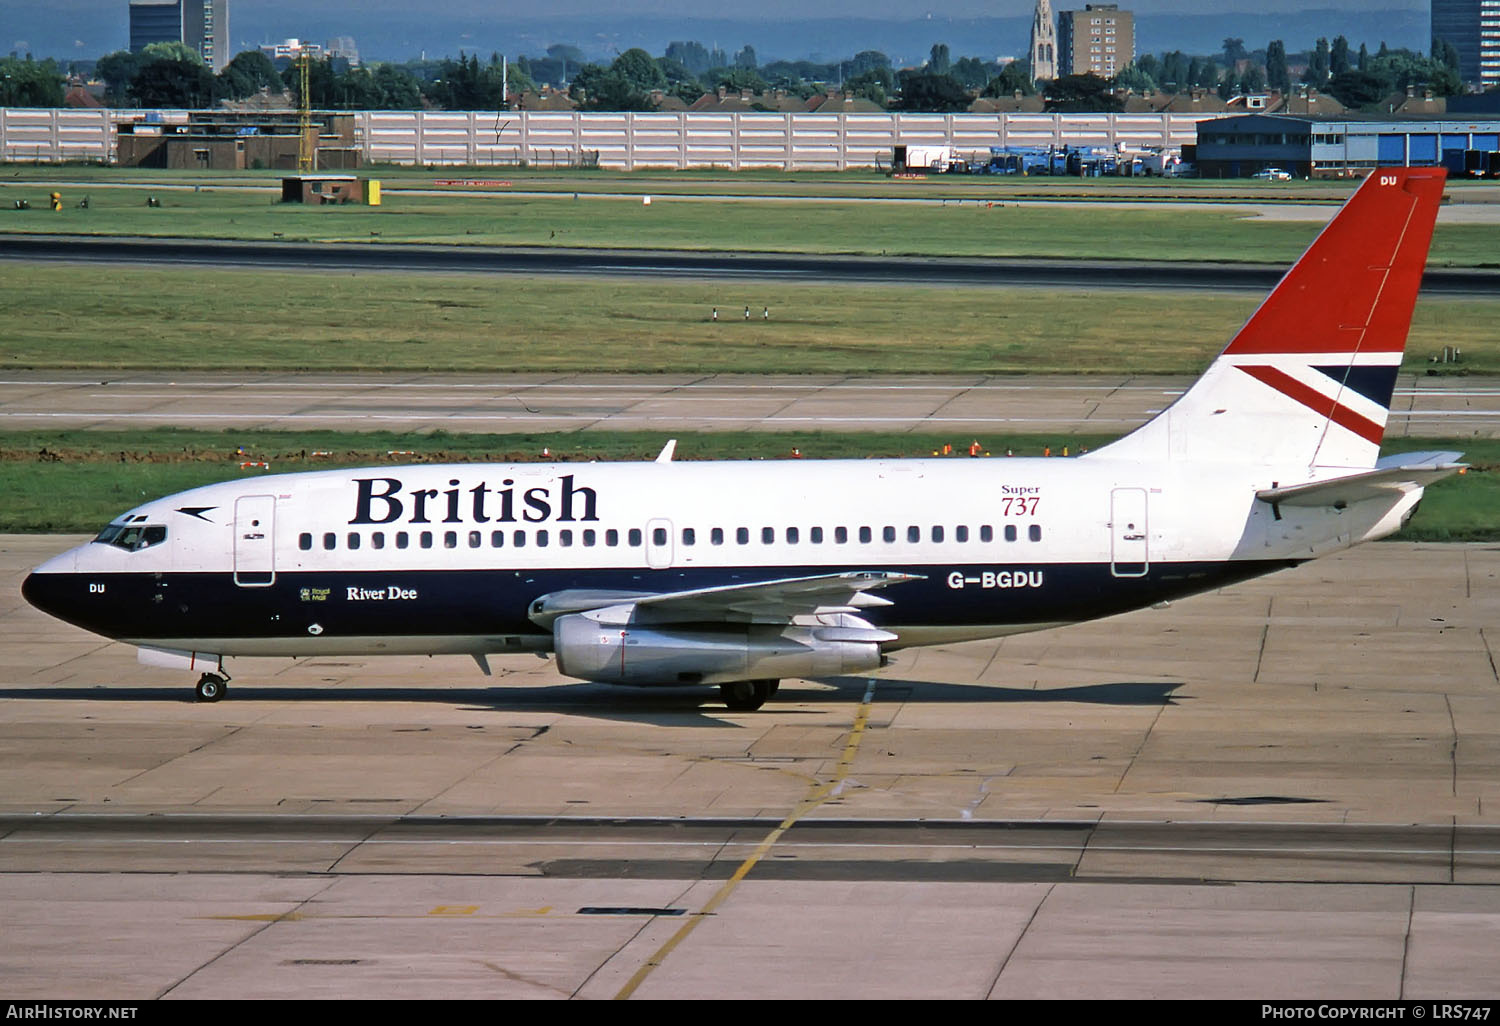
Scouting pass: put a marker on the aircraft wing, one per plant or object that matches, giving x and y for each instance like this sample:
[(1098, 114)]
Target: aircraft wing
[(1392, 473), (775, 601)]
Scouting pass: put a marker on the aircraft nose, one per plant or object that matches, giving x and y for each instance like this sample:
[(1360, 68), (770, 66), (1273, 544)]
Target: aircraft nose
[(37, 590), (44, 586)]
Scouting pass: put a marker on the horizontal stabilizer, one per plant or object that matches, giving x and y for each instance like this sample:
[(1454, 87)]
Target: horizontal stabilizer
[(1392, 474)]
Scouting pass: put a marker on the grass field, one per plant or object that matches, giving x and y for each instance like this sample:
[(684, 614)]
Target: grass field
[(985, 224), (146, 318), (79, 480), (857, 183)]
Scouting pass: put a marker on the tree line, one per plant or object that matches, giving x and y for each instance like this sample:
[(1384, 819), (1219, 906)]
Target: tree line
[(171, 75), (1355, 79)]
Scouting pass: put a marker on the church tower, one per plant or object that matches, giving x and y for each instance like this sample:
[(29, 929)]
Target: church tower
[(1043, 43)]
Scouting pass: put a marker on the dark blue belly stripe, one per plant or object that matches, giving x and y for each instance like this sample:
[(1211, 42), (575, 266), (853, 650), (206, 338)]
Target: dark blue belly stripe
[(392, 603)]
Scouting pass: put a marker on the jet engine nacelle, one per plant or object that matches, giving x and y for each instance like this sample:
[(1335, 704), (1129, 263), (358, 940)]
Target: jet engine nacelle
[(718, 654)]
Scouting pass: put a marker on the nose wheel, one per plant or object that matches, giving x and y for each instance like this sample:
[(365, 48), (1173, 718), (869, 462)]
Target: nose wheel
[(748, 695), (211, 687)]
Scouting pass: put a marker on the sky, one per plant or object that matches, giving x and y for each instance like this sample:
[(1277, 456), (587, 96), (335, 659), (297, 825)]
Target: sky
[(64, 28), (728, 9)]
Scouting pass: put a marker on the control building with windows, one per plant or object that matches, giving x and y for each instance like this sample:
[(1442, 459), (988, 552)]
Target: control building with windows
[(1311, 147), (1473, 29), (1098, 40)]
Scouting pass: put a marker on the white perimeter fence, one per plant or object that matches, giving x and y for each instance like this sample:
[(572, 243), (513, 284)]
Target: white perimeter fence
[(626, 141)]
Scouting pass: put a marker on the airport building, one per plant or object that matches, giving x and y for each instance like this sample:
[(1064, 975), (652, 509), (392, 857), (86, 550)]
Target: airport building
[(1098, 40), (1313, 147), (283, 53), (203, 25), (231, 141), (1473, 28)]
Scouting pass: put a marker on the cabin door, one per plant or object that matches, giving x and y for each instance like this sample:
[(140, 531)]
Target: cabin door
[(1128, 555), (254, 534), (659, 543)]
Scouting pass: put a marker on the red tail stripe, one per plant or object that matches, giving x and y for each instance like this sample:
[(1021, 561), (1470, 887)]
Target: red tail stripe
[(1317, 402), (1354, 288)]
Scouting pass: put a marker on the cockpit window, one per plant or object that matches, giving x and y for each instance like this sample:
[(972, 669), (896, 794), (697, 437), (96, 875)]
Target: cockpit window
[(133, 537)]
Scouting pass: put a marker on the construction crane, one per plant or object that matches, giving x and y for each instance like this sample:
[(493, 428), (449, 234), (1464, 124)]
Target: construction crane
[(306, 158)]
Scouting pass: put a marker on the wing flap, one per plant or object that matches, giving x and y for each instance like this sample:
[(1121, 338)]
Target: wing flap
[(758, 601)]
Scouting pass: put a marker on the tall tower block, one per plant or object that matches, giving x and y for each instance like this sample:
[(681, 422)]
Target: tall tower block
[(1043, 43)]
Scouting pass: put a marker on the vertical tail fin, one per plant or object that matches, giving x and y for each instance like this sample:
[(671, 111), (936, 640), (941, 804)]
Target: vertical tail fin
[(1308, 379)]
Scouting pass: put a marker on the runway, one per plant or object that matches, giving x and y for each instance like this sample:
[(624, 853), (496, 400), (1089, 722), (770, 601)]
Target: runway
[(1286, 789), (973, 405), (412, 259)]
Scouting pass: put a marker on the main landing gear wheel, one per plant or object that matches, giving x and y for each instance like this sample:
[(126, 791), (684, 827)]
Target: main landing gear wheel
[(211, 687), (748, 695)]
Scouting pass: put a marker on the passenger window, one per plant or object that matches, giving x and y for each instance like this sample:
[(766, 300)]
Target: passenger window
[(497, 539), (986, 533), (425, 539), (589, 537), (841, 535), (330, 540), (377, 539), (791, 536), (354, 539), (611, 537), (402, 540), (1010, 532), (889, 534), (450, 539), (913, 534), (565, 538), (937, 534), (304, 541), (716, 536), (742, 535), (864, 536), (1034, 532), (518, 540), (689, 536), (961, 533), (634, 537), (658, 536), (475, 539), (768, 535), (541, 539), (815, 535)]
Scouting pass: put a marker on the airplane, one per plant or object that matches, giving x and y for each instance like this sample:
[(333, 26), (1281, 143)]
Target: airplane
[(741, 573)]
